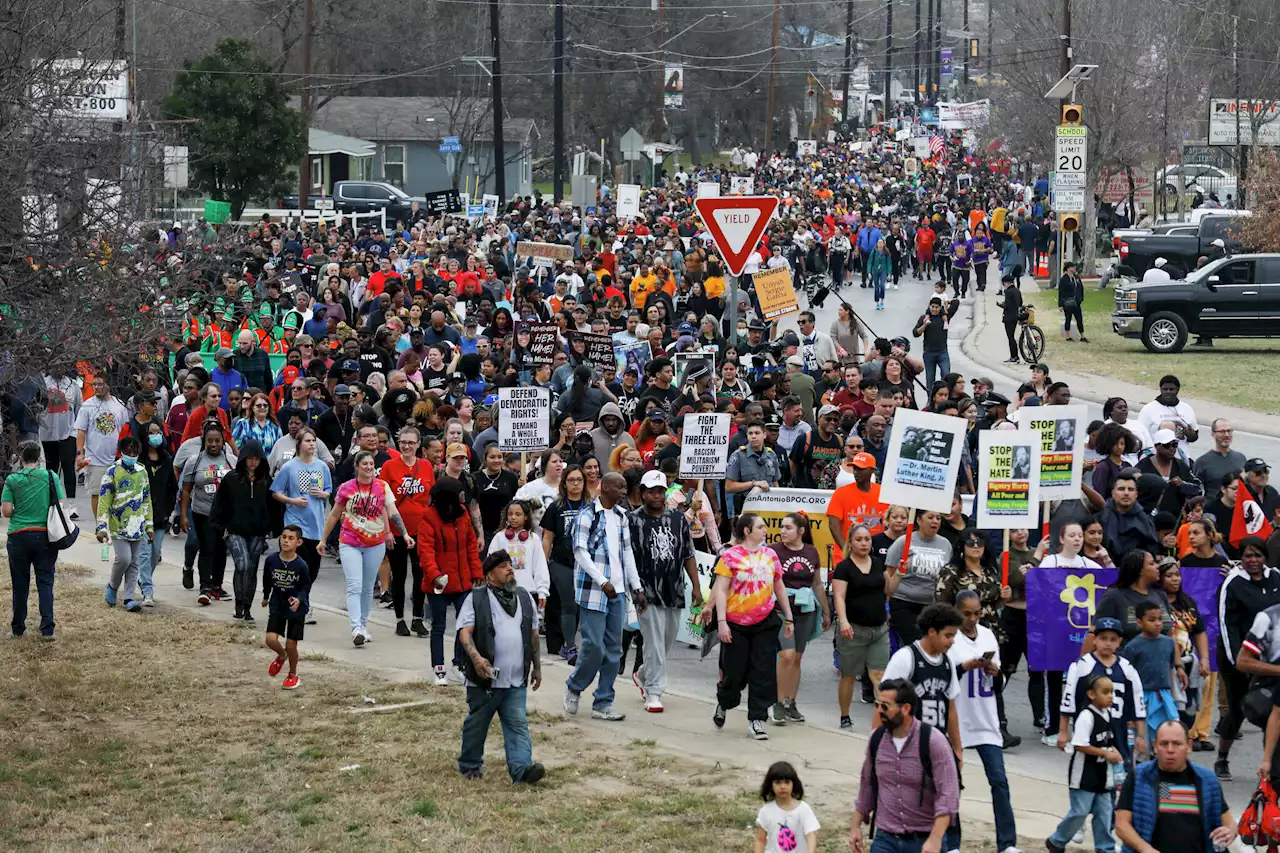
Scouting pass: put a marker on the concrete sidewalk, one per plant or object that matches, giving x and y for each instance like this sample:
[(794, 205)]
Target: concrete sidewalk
[(828, 759), (985, 344)]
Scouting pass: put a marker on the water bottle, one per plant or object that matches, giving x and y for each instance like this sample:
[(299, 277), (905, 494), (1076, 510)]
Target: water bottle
[(106, 552)]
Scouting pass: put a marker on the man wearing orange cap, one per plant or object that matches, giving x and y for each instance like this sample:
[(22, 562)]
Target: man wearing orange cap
[(856, 503)]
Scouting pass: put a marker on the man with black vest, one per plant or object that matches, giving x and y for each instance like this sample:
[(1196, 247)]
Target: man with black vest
[(498, 630)]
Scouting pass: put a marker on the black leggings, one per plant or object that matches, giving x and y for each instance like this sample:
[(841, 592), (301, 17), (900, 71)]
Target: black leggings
[(1234, 684), (1010, 332), (1068, 313), (562, 630), (1036, 687), (61, 456), (902, 618), (403, 559), (311, 556), (980, 274), (213, 553)]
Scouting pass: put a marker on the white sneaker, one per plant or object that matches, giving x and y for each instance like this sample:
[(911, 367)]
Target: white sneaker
[(571, 702), (1011, 850), (73, 514), (368, 637), (1049, 740), (440, 679), (148, 601), (357, 637), (755, 730), (1078, 838), (653, 705)]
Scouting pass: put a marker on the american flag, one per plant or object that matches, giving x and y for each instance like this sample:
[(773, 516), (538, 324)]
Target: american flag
[(936, 145)]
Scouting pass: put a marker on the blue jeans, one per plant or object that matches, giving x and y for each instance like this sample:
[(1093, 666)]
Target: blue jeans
[(360, 567), (509, 704), (993, 764), (148, 559), (878, 281), (600, 652), (885, 843), (439, 603), (1083, 804), (30, 551), (936, 364)]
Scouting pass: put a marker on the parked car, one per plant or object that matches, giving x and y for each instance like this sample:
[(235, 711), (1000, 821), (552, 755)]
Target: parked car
[(1233, 297), (364, 197), (1138, 252)]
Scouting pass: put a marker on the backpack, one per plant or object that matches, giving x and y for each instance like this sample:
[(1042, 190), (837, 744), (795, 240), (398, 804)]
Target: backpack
[(1260, 822), (926, 764)]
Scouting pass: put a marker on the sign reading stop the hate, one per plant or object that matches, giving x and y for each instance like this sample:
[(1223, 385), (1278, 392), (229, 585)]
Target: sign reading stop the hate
[(704, 446), (524, 419)]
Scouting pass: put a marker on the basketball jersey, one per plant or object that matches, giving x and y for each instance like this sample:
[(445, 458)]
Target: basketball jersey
[(1090, 772), (933, 682)]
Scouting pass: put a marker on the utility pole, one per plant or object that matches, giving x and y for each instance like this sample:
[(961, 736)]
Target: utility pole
[(499, 143), (1064, 59), (557, 188), (930, 51), (1241, 151), (936, 57), (848, 59), (968, 43), (659, 118), (304, 167), (915, 83), (888, 59), (773, 71), (990, 38)]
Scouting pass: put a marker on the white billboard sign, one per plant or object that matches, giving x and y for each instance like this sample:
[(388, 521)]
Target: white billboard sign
[(85, 89), (1259, 121)]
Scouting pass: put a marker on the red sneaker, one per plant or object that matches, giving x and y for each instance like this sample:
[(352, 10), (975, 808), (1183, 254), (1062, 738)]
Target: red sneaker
[(291, 682), (273, 668)]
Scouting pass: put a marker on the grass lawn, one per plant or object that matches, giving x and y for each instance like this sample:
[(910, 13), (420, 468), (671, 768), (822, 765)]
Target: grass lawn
[(162, 732), (1239, 372)]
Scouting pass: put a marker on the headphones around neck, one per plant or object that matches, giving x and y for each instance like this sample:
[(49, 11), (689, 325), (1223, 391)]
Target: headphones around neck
[(513, 534)]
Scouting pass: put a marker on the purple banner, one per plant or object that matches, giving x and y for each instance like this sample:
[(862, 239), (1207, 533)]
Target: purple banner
[(1061, 604)]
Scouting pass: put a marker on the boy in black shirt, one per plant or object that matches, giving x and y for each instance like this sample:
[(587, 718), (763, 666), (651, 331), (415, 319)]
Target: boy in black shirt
[(286, 585)]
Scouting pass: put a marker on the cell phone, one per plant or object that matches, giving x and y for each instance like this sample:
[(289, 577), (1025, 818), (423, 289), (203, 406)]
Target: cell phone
[(988, 655)]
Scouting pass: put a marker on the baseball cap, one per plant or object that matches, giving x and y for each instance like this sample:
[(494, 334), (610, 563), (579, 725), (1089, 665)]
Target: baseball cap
[(1257, 466), (351, 366), (1164, 436), (1107, 623), (864, 460), (657, 413), (982, 380), (686, 328), (456, 449), (653, 480), (342, 391), (289, 374), (225, 352), (828, 410)]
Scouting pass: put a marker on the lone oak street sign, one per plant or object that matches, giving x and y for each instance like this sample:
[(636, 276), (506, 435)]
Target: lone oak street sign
[(1070, 163), (736, 224)]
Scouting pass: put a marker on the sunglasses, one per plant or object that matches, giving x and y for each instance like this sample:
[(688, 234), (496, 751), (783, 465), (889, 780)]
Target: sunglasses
[(975, 543)]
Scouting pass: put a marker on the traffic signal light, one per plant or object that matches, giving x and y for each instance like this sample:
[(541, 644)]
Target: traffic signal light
[(1072, 114), (973, 48), (1069, 222)]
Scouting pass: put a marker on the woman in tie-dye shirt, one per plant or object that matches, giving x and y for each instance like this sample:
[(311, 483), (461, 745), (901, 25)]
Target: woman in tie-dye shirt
[(748, 594)]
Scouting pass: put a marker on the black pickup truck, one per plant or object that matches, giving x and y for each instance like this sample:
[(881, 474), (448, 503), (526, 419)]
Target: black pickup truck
[(1138, 252), (364, 197), (1233, 297)]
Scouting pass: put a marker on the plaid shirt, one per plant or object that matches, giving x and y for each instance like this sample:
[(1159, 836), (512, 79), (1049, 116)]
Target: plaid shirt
[(592, 569)]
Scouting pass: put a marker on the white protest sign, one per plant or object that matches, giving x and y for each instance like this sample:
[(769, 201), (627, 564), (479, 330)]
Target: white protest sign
[(704, 446), (628, 201), (491, 205), (742, 185), (923, 460), (1062, 435), (708, 189), (524, 419), (1009, 480)]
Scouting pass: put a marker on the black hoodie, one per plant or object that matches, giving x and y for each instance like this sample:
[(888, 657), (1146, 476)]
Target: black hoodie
[(242, 505)]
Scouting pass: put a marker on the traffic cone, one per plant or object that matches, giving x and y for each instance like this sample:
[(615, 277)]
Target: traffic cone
[(1042, 267)]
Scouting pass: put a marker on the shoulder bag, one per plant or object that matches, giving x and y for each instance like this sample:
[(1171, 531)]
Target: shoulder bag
[(62, 532)]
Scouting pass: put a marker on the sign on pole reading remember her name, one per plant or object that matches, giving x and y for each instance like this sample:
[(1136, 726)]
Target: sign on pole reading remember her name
[(524, 419), (704, 446), (1008, 479), (923, 460), (1062, 435)]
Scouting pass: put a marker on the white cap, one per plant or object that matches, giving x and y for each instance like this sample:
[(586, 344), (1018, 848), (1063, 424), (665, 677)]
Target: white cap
[(1164, 436), (1161, 262), (1219, 243), (653, 480)]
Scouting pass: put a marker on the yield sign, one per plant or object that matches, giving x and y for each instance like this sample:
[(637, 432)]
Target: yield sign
[(736, 224)]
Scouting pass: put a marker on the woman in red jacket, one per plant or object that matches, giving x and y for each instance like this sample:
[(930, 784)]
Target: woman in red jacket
[(450, 556), (411, 479)]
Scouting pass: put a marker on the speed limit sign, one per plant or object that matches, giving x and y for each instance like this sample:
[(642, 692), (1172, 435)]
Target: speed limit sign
[(1070, 157)]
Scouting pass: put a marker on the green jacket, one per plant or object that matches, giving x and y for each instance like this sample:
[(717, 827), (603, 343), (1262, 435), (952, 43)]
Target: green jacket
[(124, 503)]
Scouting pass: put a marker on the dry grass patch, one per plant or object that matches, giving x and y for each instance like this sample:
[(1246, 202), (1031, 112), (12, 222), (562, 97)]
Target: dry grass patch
[(161, 732)]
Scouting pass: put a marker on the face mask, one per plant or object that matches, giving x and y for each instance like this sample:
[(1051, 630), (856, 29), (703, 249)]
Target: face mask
[(129, 461), (155, 439)]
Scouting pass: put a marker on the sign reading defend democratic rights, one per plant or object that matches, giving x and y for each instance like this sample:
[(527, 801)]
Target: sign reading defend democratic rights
[(704, 446), (524, 419)]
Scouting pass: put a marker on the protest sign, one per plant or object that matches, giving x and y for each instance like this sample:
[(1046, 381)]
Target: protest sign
[(628, 201), (923, 460), (774, 504), (708, 189), (742, 185), (491, 202), (1062, 435), (1061, 604), (690, 632), (599, 350), (544, 251), (524, 419), (544, 340), (681, 362), (776, 292), (1009, 480), (636, 355), (704, 446)]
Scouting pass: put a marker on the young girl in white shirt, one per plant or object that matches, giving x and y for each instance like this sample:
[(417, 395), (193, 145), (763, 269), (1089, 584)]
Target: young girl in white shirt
[(785, 823)]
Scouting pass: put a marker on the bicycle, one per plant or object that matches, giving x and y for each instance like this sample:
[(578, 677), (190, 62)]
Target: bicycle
[(1030, 336)]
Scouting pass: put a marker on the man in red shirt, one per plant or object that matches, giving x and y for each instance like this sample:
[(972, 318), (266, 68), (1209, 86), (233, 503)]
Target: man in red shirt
[(856, 503), (378, 281)]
